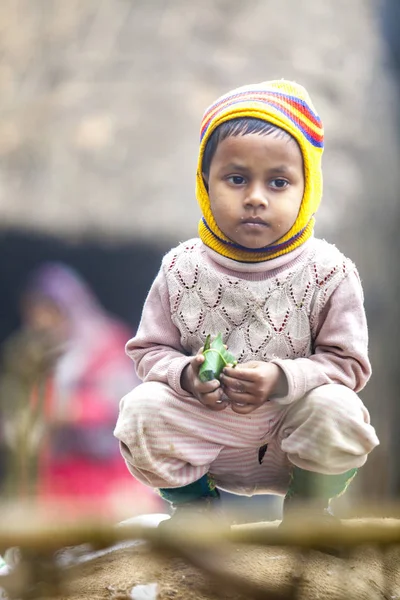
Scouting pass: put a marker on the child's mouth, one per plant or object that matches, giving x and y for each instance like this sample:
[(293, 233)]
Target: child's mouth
[(254, 224)]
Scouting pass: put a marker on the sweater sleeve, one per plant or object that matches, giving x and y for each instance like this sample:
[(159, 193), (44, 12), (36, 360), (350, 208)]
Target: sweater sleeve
[(156, 349), (340, 347)]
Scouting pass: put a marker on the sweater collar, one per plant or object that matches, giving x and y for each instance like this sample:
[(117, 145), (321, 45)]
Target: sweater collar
[(260, 267)]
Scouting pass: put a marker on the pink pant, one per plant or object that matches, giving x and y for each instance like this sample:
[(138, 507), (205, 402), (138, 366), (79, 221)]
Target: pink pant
[(169, 440)]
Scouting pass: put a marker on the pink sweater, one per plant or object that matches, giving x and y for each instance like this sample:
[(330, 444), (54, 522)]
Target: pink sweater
[(303, 311)]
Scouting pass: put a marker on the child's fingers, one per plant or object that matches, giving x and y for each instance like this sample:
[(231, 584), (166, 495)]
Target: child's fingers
[(243, 409), (238, 373), (208, 387), (214, 400), (235, 384), (197, 361), (240, 397)]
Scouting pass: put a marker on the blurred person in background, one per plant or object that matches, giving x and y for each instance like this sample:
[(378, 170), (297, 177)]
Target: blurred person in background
[(80, 458)]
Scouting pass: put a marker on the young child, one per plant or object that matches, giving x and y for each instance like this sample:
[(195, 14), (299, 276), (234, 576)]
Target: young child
[(286, 420)]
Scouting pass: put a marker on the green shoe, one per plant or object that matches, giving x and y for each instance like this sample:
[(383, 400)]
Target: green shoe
[(197, 501), (202, 489), (315, 490), (308, 499)]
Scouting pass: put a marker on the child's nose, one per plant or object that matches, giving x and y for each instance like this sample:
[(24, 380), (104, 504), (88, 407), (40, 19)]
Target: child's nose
[(256, 196)]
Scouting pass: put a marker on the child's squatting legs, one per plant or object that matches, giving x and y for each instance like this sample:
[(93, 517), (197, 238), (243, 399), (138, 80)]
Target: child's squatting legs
[(170, 442)]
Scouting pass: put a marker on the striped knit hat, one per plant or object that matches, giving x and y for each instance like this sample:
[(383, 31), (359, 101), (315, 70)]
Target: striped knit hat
[(288, 106)]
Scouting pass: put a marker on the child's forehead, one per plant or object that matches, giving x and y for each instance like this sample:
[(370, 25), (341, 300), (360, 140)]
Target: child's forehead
[(259, 149)]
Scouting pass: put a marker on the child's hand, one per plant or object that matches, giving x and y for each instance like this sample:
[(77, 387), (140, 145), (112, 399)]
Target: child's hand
[(249, 385), (209, 393)]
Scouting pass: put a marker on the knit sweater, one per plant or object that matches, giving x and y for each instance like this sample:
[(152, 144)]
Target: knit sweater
[(302, 311)]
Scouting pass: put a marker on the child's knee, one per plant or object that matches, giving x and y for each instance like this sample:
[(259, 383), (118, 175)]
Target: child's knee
[(328, 430), (333, 401), (141, 410), (146, 397), (340, 416)]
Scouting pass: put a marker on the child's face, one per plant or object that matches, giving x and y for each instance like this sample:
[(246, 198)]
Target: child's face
[(255, 186)]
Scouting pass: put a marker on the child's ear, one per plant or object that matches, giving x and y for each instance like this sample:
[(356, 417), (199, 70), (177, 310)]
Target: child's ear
[(205, 179)]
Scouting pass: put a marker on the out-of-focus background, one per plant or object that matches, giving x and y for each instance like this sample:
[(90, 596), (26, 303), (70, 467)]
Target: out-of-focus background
[(100, 105)]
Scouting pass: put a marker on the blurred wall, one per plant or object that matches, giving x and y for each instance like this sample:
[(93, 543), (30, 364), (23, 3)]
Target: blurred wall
[(100, 104)]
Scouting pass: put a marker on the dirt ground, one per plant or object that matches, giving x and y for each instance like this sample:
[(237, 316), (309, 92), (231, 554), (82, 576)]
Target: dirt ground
[(367, 573)]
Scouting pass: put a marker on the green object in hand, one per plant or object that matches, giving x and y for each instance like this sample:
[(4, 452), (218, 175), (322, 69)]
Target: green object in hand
[(216, 358)]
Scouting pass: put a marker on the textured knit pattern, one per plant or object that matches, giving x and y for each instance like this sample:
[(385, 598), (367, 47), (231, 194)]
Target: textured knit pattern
[(310, 318), (259, 320), (288, 106)]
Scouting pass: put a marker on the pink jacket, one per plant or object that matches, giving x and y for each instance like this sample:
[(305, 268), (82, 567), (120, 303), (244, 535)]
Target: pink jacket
[(303, 311)]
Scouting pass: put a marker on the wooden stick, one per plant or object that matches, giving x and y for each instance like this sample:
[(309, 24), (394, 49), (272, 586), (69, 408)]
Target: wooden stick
[(30, 534)]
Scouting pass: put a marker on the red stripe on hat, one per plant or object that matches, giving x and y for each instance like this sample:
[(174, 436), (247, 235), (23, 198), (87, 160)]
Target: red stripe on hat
[(269, 98)]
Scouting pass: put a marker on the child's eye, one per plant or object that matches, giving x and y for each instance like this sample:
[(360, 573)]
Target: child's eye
[(279, 183), (236, 179)]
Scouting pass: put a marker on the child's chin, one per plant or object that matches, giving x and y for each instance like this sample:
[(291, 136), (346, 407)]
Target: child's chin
[(255, 245)]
